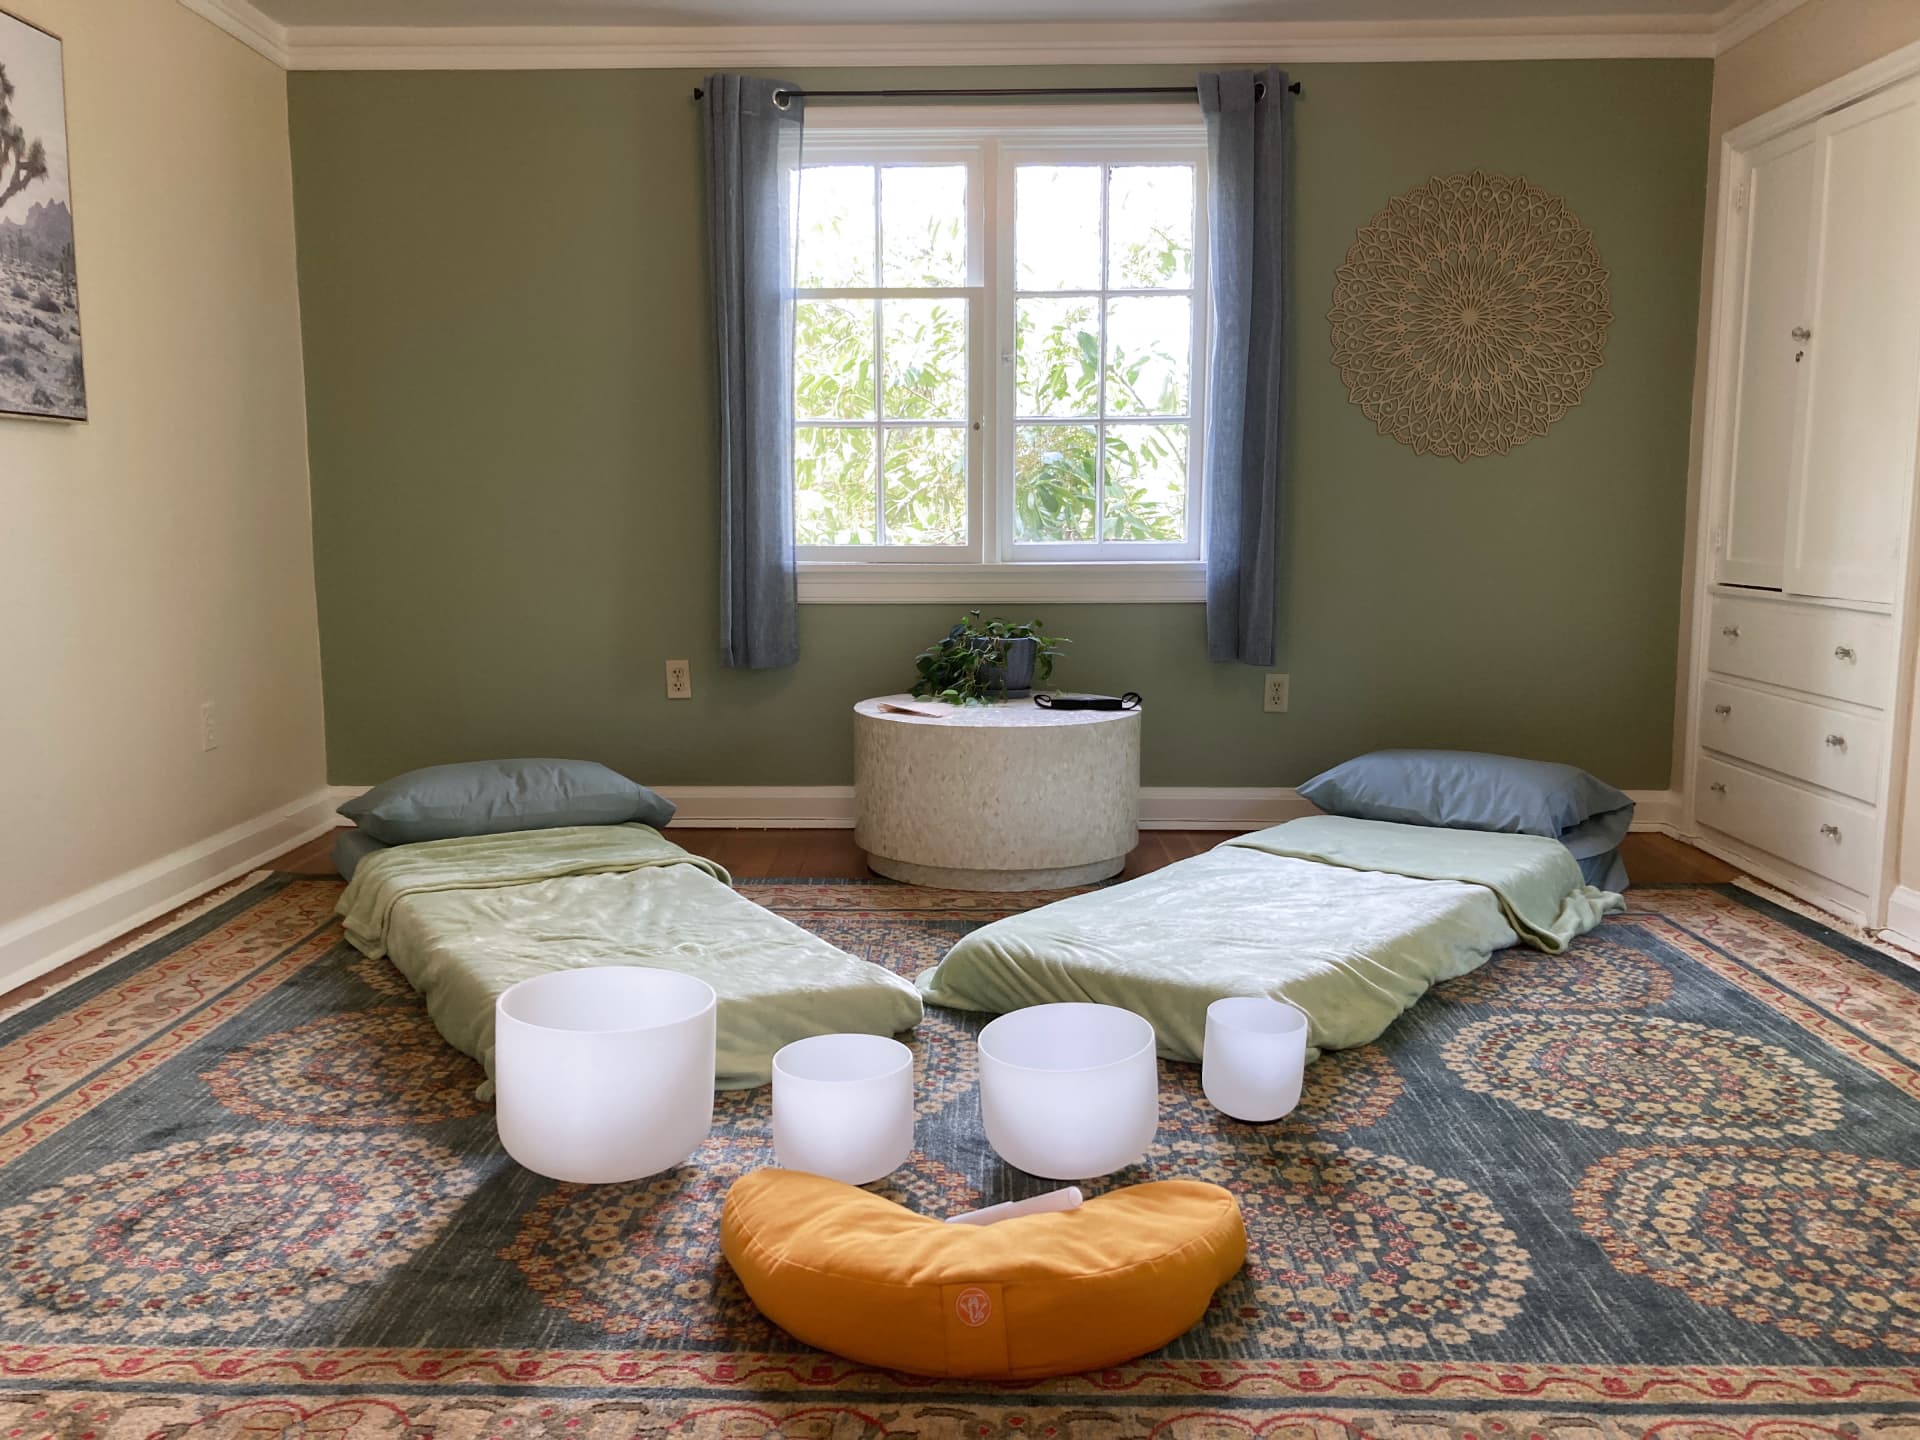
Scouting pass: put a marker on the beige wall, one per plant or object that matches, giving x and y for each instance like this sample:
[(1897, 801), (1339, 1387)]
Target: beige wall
[(1803, 50), (1818, 42), (161, 554)]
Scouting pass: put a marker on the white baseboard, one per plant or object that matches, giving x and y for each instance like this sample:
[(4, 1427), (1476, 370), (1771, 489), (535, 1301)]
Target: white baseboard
[(831, 807), (1903, 918), (1660, 811), (1162, 807), (761, 807), (49, 937), (1184, 807)]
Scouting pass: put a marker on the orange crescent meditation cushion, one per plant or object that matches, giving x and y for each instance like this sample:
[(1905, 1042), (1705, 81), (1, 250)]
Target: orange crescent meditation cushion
[(857, 1275)]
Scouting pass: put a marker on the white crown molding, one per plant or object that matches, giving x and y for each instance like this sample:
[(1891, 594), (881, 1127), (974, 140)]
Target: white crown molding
[(1204, 42), (647, 47), (245, 23), (643, 47), (53, 935), (1744, 19)]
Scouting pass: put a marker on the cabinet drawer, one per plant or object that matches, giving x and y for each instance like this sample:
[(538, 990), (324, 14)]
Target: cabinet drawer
[(1834, 838), (1830, 748), (1847, 654)]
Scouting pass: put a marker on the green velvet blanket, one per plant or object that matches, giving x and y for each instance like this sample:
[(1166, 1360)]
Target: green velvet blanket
[(1535, 879), (1351, 920), (484, 862), (465, 919)]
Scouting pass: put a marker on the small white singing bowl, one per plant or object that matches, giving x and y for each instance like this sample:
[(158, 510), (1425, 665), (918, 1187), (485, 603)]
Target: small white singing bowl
[(1255, 1057), (1071, 1091), (843, 1106), (604, 1073)]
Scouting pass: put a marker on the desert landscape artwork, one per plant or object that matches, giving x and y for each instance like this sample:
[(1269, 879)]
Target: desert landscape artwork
[(41, 371)]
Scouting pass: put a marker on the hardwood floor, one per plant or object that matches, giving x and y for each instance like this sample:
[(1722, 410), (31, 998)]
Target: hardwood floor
[(1662, 860), (807, 854), (832, 855)]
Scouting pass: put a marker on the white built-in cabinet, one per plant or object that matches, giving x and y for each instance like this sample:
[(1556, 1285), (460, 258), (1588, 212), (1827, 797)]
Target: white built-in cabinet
[(1802, 657)]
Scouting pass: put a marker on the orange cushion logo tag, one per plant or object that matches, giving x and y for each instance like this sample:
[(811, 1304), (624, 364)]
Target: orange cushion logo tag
[(974, 1306)]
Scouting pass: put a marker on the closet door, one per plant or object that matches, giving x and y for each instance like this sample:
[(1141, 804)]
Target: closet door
[(1752, 532), (1862, 359)]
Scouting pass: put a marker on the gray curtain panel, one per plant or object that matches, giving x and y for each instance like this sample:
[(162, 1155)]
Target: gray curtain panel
[(753, 152), (1247, 140)]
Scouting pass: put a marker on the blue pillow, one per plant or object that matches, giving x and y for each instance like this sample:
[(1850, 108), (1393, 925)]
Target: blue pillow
[(1606, 871), (350, 847), (490, 797), (1461, 790)]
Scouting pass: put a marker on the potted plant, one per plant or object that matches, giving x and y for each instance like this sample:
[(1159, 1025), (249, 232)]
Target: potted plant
[(982, 660)]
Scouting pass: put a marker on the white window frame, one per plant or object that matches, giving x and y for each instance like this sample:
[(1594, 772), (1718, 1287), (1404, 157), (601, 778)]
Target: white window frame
[(990, 141), (892, 150)]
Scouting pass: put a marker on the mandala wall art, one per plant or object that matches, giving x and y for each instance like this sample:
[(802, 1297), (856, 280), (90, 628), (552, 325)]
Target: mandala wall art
[(1470, 315)]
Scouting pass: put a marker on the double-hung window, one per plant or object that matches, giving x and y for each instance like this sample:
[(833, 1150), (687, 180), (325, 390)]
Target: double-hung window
[(999, 354)]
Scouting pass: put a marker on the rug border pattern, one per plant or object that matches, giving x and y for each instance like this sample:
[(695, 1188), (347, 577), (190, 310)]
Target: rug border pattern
[(774, 1372)]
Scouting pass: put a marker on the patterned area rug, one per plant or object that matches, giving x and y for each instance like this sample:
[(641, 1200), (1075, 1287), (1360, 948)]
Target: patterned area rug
[(1667, 1183)]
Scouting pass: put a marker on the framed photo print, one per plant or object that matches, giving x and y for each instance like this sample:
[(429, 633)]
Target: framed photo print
[(41, 371)]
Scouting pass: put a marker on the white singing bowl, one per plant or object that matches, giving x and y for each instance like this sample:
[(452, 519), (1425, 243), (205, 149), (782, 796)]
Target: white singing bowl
[(1069, 1092), (1255, 1057), (604, 1074), (843, 1106)]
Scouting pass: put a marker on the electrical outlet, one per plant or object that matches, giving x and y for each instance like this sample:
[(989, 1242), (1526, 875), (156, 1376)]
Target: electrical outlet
[(1274, 701), (679, 680), (209, 736)]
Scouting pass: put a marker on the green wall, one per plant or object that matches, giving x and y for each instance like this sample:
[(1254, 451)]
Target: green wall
[(508, 370)]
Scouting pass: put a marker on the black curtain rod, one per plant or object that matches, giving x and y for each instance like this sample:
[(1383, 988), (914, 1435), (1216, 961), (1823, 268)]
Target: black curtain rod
[(1259, 89)]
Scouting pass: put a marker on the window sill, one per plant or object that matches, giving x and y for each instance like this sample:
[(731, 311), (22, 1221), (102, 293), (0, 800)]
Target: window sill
[(1151, 582)]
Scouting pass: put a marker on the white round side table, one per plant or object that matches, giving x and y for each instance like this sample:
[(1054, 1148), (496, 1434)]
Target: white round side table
[(1005, 796)]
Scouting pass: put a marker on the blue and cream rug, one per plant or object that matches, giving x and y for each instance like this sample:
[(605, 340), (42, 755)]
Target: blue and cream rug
[(1667, 1183)]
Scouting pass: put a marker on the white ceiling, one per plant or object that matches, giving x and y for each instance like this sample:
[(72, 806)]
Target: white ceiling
[(812, 12)]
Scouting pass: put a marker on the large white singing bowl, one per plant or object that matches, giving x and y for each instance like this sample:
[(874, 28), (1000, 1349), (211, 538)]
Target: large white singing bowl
[(606, 1073), (843, 1106), (1069, 1092)]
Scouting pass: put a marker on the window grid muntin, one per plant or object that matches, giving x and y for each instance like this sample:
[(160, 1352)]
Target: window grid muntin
[(1100, 403)]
